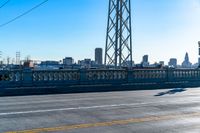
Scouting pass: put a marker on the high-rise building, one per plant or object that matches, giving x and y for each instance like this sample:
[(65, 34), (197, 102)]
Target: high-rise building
[(199, 62), (172, 62), (199, 47), (18, 58), (145, 58), (98, 56), (145, 61), (186, 63)]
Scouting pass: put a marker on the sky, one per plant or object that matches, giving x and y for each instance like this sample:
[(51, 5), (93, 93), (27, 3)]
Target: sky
[(163, 29)]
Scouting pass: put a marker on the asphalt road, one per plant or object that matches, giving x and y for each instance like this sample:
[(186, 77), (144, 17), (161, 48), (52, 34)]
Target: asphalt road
[(149, 111)]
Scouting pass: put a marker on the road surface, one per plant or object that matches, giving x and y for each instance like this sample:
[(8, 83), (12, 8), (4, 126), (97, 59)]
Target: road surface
[(147, 111)]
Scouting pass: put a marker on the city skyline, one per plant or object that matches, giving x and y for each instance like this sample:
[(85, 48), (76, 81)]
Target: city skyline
[(76, 28)]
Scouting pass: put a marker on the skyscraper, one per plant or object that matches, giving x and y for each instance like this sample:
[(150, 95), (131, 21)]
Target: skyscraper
[(18, 58), (145, 61), (199, 47), (186, 63), (98, 56)]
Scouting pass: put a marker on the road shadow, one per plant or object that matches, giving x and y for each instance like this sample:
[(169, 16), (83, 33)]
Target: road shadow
[(171, 92)]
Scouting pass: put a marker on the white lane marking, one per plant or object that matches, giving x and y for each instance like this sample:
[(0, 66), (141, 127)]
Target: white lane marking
[(79, 99), (74, 108), (46, 101), (90, 107), (8, 101), (62, 100)]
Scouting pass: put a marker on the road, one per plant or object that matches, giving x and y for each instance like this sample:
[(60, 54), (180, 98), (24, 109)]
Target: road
[(147, 111)]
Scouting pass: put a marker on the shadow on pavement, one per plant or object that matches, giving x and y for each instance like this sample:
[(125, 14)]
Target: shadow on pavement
[(170, 92)]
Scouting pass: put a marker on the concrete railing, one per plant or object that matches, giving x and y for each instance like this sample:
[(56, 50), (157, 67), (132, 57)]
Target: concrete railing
[(20, 78)]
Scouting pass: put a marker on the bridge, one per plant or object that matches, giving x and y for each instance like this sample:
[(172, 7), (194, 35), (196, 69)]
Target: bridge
[(87, 80), (118, 54), (146, 111)]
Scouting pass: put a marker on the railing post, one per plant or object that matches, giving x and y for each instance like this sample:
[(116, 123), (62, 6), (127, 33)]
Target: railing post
[(130, 76), (27, 79), (170, 76), (82, 76)]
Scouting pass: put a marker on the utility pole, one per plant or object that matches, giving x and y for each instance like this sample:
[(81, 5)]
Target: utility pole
[(118, 51)]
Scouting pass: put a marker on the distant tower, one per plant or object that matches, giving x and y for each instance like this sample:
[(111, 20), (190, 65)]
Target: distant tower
[(18, 58), (118, 51), (145, 61), (98, 56), (186, 63), (199, 47), (145, 58), (186, 57)]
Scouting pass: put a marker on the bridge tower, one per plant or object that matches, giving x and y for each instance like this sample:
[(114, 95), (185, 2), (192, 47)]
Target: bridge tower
[(118, 51)]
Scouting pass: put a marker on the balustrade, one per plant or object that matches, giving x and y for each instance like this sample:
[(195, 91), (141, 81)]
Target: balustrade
[(149, 74), (55, 76), (58, 76), (106, 75), (12, 76)]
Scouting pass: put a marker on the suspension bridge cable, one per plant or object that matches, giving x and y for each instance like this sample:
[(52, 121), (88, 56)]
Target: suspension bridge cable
[(4, 4), (23, 14)]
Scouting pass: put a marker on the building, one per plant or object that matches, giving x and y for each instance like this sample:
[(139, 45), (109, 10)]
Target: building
[(86, 63), (68, 61), (199, 54), (99, 56), (128, 63), (199, 47), (28, 64), (186, 63), (172, 62), (145, 61), (199, 61), (162, 63), (49, 65)]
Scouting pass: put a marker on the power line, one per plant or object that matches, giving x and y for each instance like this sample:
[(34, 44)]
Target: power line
[(23, 14), (4, 4)]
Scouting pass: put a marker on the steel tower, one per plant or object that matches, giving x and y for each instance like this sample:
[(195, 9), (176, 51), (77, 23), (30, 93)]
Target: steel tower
[(118, 51)]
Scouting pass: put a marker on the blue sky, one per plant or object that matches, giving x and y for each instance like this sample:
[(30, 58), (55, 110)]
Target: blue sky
[(161, 28)]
